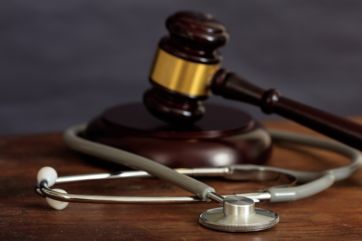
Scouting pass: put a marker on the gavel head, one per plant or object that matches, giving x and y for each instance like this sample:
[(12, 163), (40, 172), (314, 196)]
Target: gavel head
[(184, 65)]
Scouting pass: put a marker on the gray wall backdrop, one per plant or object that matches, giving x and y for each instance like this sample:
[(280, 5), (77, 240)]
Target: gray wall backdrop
[(64, 61)]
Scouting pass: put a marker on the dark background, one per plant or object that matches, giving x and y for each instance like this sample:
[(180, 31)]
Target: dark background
[(64, 61)]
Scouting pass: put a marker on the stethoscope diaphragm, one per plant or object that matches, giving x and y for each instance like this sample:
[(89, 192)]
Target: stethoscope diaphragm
[(238, 214)]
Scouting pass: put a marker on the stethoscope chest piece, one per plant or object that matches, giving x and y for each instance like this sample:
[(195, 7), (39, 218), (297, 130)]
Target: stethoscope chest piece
[(238, 214)]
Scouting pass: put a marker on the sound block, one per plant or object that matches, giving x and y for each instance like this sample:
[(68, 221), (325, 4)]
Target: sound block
[(225, 136)]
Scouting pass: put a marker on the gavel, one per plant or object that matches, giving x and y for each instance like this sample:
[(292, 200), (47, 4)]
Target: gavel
[(186, 70)]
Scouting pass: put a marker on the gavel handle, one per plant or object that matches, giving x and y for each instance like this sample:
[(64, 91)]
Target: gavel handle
[(230, 86)]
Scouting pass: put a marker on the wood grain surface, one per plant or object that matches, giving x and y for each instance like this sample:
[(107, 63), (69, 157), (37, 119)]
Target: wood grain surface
[(335, 214)]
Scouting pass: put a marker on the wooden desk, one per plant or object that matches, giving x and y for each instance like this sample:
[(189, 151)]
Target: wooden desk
[(335, 214)]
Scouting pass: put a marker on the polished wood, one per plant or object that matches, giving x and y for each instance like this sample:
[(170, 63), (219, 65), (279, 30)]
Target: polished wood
[(224, 130), (335, 214), (195, 37), (172, 107), (231, 86)]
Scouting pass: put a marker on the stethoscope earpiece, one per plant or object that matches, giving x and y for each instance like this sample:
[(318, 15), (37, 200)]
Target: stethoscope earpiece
[(57, 205), (47, 177)]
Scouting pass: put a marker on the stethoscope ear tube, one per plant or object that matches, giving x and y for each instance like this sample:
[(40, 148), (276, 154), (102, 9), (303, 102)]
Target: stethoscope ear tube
[(339, 173), (287, 194), (315, 182), (134, 161), (326, 178)]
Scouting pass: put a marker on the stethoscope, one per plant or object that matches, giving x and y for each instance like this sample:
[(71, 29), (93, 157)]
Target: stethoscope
[(237, 212)]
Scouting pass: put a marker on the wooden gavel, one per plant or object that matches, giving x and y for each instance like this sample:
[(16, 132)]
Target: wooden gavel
[(187, 68)]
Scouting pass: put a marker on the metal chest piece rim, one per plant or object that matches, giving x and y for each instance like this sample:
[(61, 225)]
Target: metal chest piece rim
[(238, 214)]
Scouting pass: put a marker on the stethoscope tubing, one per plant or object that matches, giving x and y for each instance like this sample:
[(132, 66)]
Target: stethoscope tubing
[(314, 182)]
